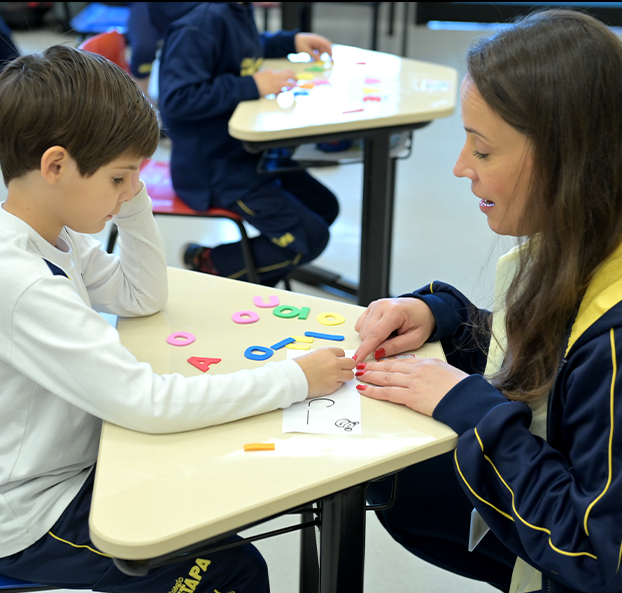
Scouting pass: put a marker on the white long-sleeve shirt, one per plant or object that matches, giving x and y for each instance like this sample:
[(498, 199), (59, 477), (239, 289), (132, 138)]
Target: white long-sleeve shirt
[(63, 368)]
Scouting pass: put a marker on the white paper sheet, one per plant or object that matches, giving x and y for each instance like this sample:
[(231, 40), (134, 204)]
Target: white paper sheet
[(338, 413)]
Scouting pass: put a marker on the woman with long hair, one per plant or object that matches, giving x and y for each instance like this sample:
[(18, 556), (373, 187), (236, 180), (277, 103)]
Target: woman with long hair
[(533, 389)]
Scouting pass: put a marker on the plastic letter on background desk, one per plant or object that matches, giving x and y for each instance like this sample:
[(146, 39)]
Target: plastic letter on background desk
[(180, 339), (260, 447), (203, 364), (319, 336), (265, 353), (282, 343), (281, 311), (300, 343), (272, 302), (297, 346), (330, 318), (245, 317)]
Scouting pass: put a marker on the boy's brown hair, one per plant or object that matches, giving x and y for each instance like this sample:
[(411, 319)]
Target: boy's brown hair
[(75, 99)]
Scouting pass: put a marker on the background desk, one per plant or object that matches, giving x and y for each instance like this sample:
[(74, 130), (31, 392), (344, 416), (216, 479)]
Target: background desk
[(155, 494), (364, 94)]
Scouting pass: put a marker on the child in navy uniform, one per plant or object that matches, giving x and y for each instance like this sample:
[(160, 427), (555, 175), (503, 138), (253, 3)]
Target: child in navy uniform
[(75, 129), (209, 63), (8, 51)]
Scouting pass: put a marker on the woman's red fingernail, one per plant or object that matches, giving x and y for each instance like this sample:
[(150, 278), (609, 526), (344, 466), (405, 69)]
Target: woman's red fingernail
[(354, 357), (359, 373), (380, 353), (361, 387), (361, 365)]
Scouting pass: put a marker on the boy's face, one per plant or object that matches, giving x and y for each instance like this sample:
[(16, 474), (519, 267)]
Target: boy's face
[(91, 201)]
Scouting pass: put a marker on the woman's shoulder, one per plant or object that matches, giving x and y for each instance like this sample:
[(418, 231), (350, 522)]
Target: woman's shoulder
[(596, 320)]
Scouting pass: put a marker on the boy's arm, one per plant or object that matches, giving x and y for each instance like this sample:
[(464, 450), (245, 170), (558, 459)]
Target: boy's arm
[(189, 90), (281, 43), (314, 45), (65, 348), (135, 283), (278, 44)]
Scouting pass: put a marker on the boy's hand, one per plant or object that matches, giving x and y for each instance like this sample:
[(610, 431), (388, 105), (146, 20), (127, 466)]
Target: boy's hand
[(273, 81), (314, 45), (326, 370)]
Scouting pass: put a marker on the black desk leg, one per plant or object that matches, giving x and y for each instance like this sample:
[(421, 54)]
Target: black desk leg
[(309, 569), (342, 541), (377, 219)]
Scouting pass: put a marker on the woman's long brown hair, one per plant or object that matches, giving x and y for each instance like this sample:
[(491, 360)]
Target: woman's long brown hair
[(556, 76)]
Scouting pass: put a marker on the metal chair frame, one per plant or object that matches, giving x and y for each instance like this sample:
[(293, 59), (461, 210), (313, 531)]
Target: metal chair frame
[(157, 179)]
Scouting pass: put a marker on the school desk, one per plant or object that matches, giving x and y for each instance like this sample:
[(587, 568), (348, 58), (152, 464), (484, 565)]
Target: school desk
[(156, 496), (360, 94)]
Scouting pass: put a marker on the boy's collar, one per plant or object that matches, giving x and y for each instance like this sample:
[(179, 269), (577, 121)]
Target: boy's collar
[(15, 223)]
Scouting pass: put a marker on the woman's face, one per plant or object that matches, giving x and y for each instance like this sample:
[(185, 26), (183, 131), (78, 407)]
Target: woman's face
[(498, 160)]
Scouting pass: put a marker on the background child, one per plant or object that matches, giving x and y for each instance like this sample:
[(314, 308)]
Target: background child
[(209, 63), (75, 129), (8, 51)]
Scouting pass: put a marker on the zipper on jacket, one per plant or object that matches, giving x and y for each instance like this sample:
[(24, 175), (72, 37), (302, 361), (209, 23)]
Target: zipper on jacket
[(549, 406)]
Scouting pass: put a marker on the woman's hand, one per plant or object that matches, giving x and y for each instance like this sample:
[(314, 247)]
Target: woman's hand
[(411, 319), (314, 45), (419, 383), (326, 370)]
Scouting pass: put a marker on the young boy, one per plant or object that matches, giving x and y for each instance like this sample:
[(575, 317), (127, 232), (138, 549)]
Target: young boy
[(74, 130), (209, 63)]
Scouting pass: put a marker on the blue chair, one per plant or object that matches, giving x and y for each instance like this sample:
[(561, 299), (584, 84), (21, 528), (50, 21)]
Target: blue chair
[(17, 586), (98, 17)]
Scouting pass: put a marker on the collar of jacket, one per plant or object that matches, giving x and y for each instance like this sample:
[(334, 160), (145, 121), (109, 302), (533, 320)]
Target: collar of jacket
[(603, 293)]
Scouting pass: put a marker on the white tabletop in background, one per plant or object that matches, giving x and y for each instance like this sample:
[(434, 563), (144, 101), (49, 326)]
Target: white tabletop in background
[(410, 91)]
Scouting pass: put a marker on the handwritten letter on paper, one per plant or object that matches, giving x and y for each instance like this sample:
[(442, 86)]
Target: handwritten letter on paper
[(340, 412), (337, 413)]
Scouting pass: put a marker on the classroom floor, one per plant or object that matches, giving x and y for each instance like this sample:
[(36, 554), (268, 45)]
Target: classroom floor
[(439, 234)]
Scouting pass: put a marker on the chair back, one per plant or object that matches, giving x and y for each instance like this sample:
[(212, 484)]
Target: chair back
[(111, 45), (156, 176), (98, 17)]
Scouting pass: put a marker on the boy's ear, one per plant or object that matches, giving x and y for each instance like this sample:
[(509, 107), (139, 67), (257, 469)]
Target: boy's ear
[(54, 163)]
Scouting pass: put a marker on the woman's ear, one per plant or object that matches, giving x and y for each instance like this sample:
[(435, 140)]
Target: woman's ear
[(54, 164)]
